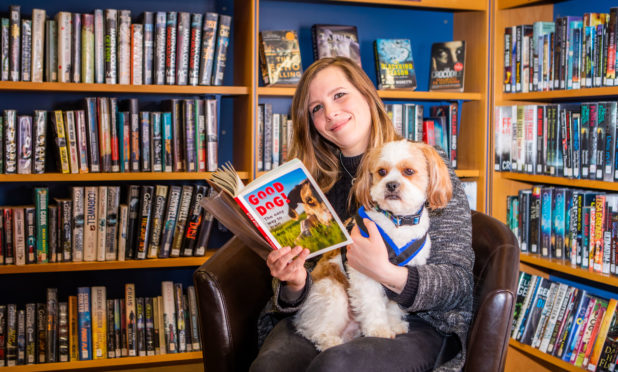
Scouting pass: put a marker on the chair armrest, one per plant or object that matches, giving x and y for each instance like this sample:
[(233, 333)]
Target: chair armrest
[(232, 287)]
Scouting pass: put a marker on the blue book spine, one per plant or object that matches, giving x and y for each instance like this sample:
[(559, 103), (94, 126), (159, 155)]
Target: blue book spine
[(120, 118), (559, 223), (546, 220), (84, 323), (577, 323), (166, 118)]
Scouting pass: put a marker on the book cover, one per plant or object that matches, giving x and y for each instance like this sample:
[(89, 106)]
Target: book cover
[(447, 65), (280, 57), (394, 63), (277, 203), (336, 41)]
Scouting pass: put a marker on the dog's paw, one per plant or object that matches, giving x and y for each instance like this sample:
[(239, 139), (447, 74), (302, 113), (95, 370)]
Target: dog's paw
[(383, 331), (400, 327), (328, 341)]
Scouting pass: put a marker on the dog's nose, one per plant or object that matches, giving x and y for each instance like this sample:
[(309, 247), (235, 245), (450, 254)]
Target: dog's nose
[(392, 186)]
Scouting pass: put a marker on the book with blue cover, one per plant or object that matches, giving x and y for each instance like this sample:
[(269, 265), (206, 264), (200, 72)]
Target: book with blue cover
[(394, 63)]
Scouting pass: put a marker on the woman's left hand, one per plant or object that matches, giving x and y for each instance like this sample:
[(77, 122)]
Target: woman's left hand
[(370, 257)]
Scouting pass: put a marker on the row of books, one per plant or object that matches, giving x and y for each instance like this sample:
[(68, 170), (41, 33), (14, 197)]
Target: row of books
[(280, 60), (571, 53), (112, 136), (92, 225), (106, 47), (578, 226), (567, 322), (574, 140), (274, 133), (89, 325)]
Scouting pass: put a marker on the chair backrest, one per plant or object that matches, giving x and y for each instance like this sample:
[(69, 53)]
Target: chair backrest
[(496, 270)]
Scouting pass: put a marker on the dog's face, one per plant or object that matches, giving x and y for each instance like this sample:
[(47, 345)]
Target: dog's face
[(304, 193), (401, 176)]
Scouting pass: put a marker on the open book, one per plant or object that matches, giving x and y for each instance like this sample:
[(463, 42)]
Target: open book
[(284, 207)]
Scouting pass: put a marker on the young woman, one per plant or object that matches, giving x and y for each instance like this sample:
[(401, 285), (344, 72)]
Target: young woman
[(337, 116)]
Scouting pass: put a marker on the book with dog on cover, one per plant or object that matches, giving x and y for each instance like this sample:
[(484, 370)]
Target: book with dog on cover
[(284, 207)]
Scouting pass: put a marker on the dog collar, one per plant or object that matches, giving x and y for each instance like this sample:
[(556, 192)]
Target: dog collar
[(397, 255), (411, 219)]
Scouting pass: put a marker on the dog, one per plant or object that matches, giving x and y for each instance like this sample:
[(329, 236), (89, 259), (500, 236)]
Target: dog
[(317, 212), (397, 184)]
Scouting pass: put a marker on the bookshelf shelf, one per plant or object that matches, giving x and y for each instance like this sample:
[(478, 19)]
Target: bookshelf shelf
[(440, 4), (461, 173), (118, 88), (107, 364), (387, 94), (588, 184), (563, 95), (527, 349), (137, 176), (566, 267), (507, 4), (152, 263)]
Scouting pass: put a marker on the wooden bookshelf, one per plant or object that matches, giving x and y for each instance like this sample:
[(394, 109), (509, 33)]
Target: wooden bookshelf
[(438, 4), (565, 95), (561, 181), (279, 91), (152, 263), (558, 364), (155, 362), (562, 266), (461, 173), (121, 88), (128, 176)]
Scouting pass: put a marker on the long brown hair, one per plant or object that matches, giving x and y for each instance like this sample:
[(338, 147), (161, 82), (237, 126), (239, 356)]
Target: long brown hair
[(319, 155)]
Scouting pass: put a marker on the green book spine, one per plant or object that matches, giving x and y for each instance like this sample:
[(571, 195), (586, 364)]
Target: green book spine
[(41, 204)]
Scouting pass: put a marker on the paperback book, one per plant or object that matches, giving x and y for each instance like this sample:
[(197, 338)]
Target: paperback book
[(285, 205), (335, 41), (395, 64), (447, 65)]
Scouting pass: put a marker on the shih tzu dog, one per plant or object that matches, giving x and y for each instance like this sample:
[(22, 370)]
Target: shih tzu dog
[(396, 185), (316, 211)]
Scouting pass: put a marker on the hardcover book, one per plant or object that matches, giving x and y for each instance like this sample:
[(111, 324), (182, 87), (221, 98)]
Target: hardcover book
[(277, 203), (280, 57), (336, 41), (395, 64)]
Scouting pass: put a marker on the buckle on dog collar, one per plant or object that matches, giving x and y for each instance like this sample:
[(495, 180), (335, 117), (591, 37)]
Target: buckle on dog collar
[(411, 219)]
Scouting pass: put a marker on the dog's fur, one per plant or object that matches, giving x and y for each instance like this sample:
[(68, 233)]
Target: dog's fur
[(317, 211), (399, 177)]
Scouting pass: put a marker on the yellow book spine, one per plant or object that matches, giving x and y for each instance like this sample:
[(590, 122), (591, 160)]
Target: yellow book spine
[(99, 323)]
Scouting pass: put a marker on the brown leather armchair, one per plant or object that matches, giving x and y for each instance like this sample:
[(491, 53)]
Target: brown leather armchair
[(234, 285)]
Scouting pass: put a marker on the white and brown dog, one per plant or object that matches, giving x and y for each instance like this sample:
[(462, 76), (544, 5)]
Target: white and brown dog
[(397, 183), (317, 212)]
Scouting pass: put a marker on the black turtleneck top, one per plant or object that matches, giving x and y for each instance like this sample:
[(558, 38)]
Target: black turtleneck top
[(338, 194)]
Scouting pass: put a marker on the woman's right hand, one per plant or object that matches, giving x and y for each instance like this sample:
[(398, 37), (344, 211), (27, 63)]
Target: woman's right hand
[(288, 265)]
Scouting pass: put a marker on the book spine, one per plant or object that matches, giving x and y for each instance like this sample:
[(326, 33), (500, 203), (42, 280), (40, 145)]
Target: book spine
[(157, 327), (169, 317), (52, 325), (193, 313), (3, 335), (130, 319), (30, 233), (209, 38), (105, 141), (76, 47), (63, 332), (124, 47), (113, 125), (30, 333), (73, 329), (182, 48), (124, 140), (145, 218), (41, 197), (158, 209), (189, 135), (111, 41), (19, 237), (10, 141), (200, 135), (181, 219), (212, 135), (177, 148), (194, 221), (26, 50), (82, 140), (11, 340), (52, 221), (91, 222), (63, 20), (160, 30), (117, 327), (170, 48), (145, 141), (65, 244), (88, 49), (78, 223), (205, 230), (113, 201), (40, 141), (135, 134), (102, 222), (166, 121), (223, 39), (111, 347), (99, 46), (149, 326), (123, 219), (71, 134), (4, 48), (24, 144), (9, 245), (156, 143), (92, 126), (132, 220), (14, 41), (21, 337), (148, 54), (180, 318), (137, 54), (99, 323), (141, 337), (167, 235), (194, 48)]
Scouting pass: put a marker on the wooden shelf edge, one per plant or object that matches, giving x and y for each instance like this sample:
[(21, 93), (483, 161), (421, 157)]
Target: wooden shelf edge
[(561, 181), (119, 88), (165, 359), (288, 91), (562, 95), (508, 4), (566, 267), (437, 4), (546, 357), (461, 173), (129, 176), (105, 265)]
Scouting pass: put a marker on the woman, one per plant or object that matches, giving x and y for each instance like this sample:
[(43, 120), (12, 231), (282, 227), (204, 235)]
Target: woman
[(337, 116)]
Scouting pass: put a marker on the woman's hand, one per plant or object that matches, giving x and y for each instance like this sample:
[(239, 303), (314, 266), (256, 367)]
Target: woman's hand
[(287, 265), (370, 257)]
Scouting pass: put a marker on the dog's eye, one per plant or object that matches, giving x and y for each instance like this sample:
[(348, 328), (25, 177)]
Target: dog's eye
[(382, 172), (408, 172)]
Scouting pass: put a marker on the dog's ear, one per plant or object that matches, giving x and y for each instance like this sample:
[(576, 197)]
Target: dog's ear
[(440, 188), (364, 179), (294, 200)]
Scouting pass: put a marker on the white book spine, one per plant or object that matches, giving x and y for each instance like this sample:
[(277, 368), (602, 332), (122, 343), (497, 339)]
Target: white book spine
[(212, 135), (78, 223), (82, 141), (91, 222), (71, 133), (169, 316), (275, 141), (122, 231), (38, 39), (19, 236), (64, 46), (102, 216), (99, 47), (124, 47), (137, 53)]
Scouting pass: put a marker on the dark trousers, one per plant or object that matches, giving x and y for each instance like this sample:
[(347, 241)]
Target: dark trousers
[(421, 349)]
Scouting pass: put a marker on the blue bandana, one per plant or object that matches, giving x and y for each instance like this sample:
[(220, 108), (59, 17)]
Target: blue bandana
[(397, 255)]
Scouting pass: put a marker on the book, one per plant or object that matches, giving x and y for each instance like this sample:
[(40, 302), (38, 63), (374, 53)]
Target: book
[(220, 57), (335, 41), (274, 204), (280, 57), (394, 63), (447, 65)]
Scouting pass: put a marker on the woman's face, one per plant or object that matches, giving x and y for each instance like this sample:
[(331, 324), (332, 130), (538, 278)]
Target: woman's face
[(339, 111)]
